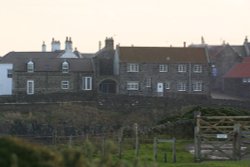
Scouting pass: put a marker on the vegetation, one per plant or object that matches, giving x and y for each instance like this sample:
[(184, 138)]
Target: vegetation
[(17, 153)]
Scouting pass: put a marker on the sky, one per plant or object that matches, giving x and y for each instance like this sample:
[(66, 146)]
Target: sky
[(25, 24)]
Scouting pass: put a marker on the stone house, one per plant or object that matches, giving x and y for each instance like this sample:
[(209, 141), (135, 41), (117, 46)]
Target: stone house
[(57, 71), (161, 71), (237, 79)]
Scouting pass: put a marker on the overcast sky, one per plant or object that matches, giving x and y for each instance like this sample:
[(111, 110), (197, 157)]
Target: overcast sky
[(26, 23)]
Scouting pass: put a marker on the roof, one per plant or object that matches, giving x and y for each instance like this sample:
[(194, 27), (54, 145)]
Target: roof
[(46, 61), (240, 70), (162, 55)]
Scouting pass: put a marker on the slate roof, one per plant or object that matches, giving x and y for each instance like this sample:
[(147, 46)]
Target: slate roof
[(162, 55), (240, 70), (46, 61)]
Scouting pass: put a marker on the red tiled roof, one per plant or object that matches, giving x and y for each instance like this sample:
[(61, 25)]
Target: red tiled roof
[(162, 55), (240, 70)]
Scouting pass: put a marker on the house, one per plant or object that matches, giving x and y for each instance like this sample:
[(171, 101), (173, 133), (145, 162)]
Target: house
[(56, 71), (6, 81), (161, 71), (222, 58), (106, 81), (237, 79)]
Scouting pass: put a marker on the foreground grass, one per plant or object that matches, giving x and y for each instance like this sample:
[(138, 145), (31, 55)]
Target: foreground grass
[(15, 152)]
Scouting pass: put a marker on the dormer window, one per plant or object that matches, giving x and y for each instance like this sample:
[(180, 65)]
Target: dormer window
[(30, 66), (65, 67)]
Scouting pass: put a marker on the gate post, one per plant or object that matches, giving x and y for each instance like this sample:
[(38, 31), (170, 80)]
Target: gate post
[(197, 139), (237, 142)]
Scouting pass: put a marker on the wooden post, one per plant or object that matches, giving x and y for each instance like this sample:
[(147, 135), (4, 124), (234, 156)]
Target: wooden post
[(70, 141), (165, 157), (120, 143), (174, 150), (155, 148), (197, 145), (197, 140), (103, 146), (136, 140), (237, 143)]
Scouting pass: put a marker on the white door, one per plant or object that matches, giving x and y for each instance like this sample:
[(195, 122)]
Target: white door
[(30, 87), (160, 89)]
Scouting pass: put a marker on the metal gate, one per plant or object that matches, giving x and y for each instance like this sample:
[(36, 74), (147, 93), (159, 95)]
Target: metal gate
[(222, 137)]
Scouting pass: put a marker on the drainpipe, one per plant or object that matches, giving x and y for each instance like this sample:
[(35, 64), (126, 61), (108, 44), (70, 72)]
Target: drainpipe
[(190, 77)]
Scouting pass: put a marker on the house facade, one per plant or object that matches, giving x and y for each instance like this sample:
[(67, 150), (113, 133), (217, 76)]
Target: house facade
[(57, 71), (160, 71), (6, 81)]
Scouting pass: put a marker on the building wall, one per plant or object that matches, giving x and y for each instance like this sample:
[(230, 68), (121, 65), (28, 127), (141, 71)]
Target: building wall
[(172, 76), (49, 82), (235, 86), (5, 81)]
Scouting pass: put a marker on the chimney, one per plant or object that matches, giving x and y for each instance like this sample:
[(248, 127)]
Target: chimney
[(68, 45), (100, 45), (184, 44), (202, 40), (43, 47), (109, 43), (246, 40), (55, 45)]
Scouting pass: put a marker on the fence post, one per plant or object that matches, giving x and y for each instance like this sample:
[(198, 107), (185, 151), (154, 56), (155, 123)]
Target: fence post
[(237, 142), (155, 148), (120, 142), (197, 139), (70, 141), (136, 140), (174, 150)]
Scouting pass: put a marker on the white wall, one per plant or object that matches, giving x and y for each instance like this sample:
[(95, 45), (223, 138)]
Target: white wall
[(5, 82)]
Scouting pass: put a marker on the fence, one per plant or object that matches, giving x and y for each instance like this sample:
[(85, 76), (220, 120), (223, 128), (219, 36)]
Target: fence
[(222, 137)]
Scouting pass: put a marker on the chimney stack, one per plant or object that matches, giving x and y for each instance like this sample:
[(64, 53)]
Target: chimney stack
[(43, 47), (55, 45), (109, 43), (184, 44), (68, 45)]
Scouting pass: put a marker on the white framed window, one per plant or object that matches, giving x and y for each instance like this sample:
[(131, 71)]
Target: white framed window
[(132, 67), (181, 86), (30, 87), (163, 68), (148, 82), (9, 73), (197, 68), (246, 80), (132, 85), (182, 68), (87, 83), (30, 66), (65, 84), (167, 85), (197, 86), (65, 67)]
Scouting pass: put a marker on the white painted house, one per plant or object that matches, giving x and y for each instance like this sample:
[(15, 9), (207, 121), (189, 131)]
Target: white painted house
[(6, 79)]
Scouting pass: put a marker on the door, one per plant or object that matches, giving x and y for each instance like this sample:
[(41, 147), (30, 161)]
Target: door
[(160, 89), (30, 87)]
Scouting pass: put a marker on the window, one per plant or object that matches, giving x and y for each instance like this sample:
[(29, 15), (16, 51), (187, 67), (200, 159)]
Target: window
[(181, 86), (197, 86), (197, 68), (132, 85), (9, 73), (246, 80), (65, 67), (182, 68), (167, 85), (163, 68), (30, 87), (65, 84), (87, 83), (132, 67), (148, 82), (30, 66)]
